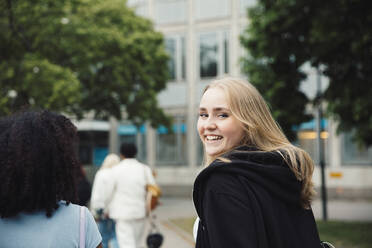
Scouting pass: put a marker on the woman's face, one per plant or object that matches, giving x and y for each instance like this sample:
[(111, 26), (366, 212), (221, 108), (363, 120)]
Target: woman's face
[(218, 129)]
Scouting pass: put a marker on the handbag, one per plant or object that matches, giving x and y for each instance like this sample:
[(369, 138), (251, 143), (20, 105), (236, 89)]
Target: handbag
[(154, 238), (325, 244), (153, 194)]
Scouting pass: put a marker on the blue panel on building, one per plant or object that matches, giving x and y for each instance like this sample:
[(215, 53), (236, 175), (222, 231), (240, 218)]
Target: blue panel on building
[(99, 154), (130, 129), (311, 125), (177, 128), (127, 129)]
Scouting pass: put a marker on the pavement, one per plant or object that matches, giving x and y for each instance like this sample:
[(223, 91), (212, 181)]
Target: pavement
[(172, 208)]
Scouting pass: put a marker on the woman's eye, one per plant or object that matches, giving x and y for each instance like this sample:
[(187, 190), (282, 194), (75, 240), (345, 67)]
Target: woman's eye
[(223, 115), (203, 115)]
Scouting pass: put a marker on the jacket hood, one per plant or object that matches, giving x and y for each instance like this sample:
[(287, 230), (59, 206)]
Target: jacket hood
[(267, 169)]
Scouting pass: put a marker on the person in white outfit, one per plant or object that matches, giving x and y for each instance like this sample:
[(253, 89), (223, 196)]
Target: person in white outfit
[(127, 188), (99, 202)]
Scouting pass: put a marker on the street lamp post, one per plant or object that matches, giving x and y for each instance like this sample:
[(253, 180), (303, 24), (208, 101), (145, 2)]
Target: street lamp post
[(320, 144)]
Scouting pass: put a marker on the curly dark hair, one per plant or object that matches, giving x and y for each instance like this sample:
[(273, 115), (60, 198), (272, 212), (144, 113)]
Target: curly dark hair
[(38, 162)]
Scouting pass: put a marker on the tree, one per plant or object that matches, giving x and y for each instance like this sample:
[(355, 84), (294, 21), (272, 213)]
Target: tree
[(81, 55), (334, 36)]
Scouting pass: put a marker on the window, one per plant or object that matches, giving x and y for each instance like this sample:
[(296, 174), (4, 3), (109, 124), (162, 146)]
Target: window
[(170, 11), (93, 147), (175, 47), (226, 52), (170, 46), (307, 140), (354, 154), (207, 9), (208, 55), (129, 133), (213, 54), (171, 147)]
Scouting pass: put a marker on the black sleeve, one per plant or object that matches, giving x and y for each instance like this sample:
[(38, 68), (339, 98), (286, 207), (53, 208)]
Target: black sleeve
[(229, 221)]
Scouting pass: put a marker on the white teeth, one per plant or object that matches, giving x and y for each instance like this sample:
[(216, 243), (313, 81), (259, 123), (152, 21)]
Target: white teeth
[(213, 137)]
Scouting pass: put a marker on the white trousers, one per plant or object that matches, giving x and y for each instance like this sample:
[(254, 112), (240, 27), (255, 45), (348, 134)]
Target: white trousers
[(129, 232)]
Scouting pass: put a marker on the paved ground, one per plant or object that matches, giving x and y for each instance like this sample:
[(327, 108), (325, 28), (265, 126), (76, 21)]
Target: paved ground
[(181, 207)]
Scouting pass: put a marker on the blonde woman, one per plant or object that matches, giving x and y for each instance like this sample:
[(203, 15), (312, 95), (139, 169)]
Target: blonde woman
[(256, 190), (100, 201)]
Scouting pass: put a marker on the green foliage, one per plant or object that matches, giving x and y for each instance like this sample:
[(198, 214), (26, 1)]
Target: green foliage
[(335, 35), (81, 55), (346, 234)]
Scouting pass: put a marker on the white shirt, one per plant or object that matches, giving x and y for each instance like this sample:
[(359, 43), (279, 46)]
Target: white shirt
[(99, 197), (195, 228), (127, 186)]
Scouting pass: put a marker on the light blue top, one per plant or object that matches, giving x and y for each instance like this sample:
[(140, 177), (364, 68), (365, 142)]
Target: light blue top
[(59, 231)]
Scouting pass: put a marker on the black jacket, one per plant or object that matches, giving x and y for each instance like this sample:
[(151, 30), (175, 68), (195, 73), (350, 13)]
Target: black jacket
[(252, 202)]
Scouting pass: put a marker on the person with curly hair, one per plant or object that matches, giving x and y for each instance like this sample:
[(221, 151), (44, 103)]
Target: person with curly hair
[(38, 166)]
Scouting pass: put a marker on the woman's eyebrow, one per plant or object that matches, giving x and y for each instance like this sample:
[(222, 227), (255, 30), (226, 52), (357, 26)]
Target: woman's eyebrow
[(216, 109), (221, 109)]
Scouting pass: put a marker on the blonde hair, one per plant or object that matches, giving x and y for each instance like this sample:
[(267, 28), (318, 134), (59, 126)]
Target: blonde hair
[(262, 131), (111, 160)]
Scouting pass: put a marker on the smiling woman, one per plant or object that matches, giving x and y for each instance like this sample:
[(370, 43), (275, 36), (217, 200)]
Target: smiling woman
[(218, 129), (256, 189)]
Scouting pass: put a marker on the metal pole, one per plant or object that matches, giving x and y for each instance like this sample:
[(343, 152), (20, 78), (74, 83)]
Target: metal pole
[(321, 146)]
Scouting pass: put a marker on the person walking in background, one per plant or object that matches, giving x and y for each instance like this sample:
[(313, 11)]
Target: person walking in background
[(84, 188), (128, 188), (256, 190), (38, 184), (99, 202)]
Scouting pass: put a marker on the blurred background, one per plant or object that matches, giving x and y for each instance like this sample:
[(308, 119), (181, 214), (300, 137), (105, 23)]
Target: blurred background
[(134, 71)]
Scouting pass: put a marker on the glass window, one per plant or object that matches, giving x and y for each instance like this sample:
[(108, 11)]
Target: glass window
[(91, 146), (214, 54), (183, 58), (226, 52), (206, 9), (354, 154), (307, 140), (129, 133), (208, 55), (175, 46), (170, 46), (142, 149), (170, 11), (171, 147)]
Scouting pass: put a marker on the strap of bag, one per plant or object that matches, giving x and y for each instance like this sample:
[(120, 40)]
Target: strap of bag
[(82, 228), (152, 221)]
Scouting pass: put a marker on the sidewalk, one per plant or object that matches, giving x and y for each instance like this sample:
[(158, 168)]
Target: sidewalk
[(172, 208)]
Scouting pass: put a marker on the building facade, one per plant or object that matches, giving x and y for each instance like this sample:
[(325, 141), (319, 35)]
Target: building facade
[(202, 39)]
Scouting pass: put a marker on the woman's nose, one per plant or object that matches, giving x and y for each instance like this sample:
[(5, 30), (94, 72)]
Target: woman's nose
[(210, 125)]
